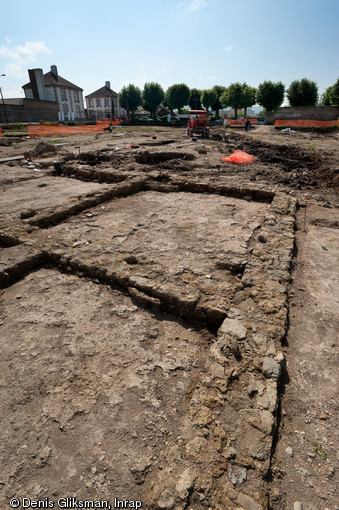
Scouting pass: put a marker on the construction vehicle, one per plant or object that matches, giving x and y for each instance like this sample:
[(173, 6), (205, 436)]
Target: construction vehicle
[(197, 123)]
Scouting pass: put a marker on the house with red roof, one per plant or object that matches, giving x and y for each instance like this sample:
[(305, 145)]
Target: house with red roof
[(53, 87)]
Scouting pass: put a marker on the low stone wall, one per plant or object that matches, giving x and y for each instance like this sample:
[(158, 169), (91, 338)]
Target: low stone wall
[(304, 113), (29, 110), (228, 434)]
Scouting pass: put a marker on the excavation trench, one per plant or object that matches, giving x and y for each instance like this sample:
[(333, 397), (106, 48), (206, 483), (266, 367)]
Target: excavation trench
[(140, 291), (7, 240), (59, 214), (143, 293), (200, 252), (174, 260)]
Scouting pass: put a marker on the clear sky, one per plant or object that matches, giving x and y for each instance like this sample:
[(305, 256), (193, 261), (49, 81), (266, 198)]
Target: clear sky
[(198, 42)]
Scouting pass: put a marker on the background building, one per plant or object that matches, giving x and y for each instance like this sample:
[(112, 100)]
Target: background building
[(52, 87), (103, 103)]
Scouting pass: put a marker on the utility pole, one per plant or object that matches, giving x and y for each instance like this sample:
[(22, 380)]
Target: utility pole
[(3, 102)]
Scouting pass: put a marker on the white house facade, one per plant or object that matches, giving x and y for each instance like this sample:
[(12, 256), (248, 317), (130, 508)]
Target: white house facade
[(52, 87), (104, 103)]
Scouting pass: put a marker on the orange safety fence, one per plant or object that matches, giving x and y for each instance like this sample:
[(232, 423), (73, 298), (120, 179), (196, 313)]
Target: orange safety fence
[(240, 122), (306, 123), (115, 121), (62, 130), (239, 158), (1, 132)]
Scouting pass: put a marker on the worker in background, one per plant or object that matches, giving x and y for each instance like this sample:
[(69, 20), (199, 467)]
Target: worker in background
[(248, 125)]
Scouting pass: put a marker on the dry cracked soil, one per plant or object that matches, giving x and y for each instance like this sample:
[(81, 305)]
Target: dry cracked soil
[(169, 322)]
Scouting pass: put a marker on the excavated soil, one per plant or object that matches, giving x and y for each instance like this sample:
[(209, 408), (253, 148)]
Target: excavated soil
[(168, 321)]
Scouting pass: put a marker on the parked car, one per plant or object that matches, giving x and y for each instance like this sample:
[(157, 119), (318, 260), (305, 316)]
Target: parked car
[(146, 119), (260, 121)]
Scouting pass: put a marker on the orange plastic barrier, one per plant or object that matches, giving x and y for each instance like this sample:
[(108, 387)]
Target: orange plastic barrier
[(115, 121), (306, 123), (239, 158), (240, 122), (61, 130), (1, 132)]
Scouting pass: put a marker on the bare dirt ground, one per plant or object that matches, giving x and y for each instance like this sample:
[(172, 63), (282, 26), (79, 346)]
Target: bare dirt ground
[(169, 321)]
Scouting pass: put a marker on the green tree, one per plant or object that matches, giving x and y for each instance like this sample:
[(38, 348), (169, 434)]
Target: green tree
[(152, 96), (326, 99), (302, 93), (248, 99), (165, 102), (194, 100), (208, 97), (130, 98), (233, 96), (335, 94), (216, 106), (178, 95), (331, 95), (270, 95)]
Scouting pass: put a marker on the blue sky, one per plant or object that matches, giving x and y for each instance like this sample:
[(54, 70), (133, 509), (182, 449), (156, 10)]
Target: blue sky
[(198, 42)]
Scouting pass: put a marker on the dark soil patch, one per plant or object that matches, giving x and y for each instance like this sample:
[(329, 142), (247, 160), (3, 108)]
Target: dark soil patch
[(159, 157), (323, 222)]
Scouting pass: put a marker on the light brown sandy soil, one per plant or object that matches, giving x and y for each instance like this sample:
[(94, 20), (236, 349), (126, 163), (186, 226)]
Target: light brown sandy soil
[(168, 325)]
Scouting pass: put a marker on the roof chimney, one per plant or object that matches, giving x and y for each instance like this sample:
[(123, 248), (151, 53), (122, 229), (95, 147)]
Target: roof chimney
[(108, 85), (36, 79), (54, 71)]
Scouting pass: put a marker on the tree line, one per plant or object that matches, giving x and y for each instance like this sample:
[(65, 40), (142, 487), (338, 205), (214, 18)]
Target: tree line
[(269, 95)]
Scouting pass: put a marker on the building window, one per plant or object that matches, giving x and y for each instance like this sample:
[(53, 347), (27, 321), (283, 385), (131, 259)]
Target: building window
[(76, 96), (63, 95), (106, 103), (90, 103), (107, 114), (65, 108), (98, 102)]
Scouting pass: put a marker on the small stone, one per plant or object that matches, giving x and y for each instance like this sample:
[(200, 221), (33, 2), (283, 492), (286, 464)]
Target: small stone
[(235, 348), (262, 237), (237, 475), (297, 505), (271, 368), (303, 471), (230, 453), (289, 451), (234, 327), (331, 471), (185, 482), (45, 453), (322, 416), (279, 357), (166, 501), (320, 198), (204, 417), (28, 213)]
